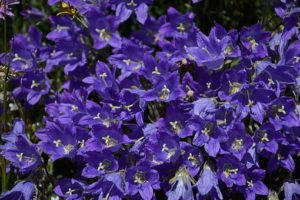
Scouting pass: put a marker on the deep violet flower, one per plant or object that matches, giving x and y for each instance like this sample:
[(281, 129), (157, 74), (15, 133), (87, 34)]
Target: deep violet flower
[(124, 8), (23, 190), (70, 189), (141, 179), (19, 150), (151, 107)]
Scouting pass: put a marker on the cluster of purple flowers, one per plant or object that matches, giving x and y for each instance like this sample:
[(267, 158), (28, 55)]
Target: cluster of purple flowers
[(165, 112)]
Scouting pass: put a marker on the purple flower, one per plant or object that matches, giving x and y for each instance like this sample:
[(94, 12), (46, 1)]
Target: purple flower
[(211, 51), (23, 190), (181, 186), (99, 164), (175, 122), (282, 113), (178, 25), (19, 150), (141, 179), (291, 190), (253, 40), (125, 8), (58, 140), (110, 187), (208, 183), (266, 139), (254, 185), (238, 142), (231, 171), (209, 135), (130, 58), (69, 108), (191, 158), (34, 84), (70, 189), (103, 30), (166, 90), (5, 9), (106, 138), (163, 148)]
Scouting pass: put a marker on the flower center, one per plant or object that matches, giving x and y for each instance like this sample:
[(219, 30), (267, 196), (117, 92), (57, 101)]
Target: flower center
[(169, 151), (104, 165), (109, 142), (156, 71), (68, 148), (164, 93), (181, 27), (104, 34), (74, 108), (132, 3), (176, 126), (250, 183), (34, 84), (237, 144), (20, 156), (193, 159), (229, 170), (139, 177), (70, 192)]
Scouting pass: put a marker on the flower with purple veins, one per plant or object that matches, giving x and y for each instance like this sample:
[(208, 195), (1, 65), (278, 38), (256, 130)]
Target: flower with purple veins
[(238, 142), (282, 112), (103, 29), (208, 183), (106, 138), (191, 158), (209, 135), (266, 139), (291, 190), (24, 190), (162, 148), (21, 154), (70, 189), (99, 164), (231, 171), (124, 8), (178, 25), (58, 140), (34, 84), (254, 40), (181, 186), (141, 179), (166, 90), (254, 185), (19, 150)]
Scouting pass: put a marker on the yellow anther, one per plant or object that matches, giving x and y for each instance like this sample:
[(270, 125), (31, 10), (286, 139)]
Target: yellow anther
[(74, 108), (208, 84), (70, 192), (180, 27), (237, 144), (156, 71), (104, 34), (20, 156), (132, 3), (127, 61), (164, 93), (34, 84), (57, 143), (68, 148)]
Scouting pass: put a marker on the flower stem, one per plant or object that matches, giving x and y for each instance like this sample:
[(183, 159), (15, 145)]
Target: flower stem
[(5, 110)]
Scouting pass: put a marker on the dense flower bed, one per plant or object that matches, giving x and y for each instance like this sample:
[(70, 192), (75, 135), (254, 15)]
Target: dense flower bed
[(166, 112)]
